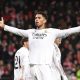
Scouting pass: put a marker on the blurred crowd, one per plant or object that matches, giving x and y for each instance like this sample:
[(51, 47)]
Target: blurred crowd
[(62, 14)]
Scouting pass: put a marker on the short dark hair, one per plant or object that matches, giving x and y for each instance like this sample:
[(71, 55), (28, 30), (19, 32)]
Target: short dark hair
[(24, 40), (43, 13)]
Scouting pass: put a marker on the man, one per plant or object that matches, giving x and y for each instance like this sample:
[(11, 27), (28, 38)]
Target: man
[(21, 65), (57, 60), (41, 44)]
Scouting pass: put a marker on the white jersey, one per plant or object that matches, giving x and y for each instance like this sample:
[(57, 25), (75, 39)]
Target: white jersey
[(57, 62), (57, 54), (21, 63), (41, 42)]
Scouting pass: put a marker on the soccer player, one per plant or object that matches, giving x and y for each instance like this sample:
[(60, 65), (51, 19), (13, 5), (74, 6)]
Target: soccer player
[(57, 60), (21, 62), (41, 44)]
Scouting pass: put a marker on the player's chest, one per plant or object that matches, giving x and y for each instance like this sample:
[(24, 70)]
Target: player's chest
[(40, 35)]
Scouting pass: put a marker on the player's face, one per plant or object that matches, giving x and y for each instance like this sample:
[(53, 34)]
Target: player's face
[(58, 41), (40, 20), (26, 44)]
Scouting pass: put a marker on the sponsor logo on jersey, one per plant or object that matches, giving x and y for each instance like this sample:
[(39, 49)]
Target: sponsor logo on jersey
[(39, 35)]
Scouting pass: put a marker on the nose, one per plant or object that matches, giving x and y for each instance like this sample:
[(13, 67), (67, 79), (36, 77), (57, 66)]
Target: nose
[(36, 20)]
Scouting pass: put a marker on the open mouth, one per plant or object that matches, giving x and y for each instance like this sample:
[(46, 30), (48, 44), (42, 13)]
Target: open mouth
[(37, 22)]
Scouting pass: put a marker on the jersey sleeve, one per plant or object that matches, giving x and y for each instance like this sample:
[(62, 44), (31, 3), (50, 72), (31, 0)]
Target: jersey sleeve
[(66, 32), (20, 32)]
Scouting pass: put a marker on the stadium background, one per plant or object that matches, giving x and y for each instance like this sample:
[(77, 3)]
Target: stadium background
[(62, 14)]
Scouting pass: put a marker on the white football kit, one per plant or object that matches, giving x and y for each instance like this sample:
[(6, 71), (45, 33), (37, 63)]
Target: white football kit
[(57, 62), (21, 64), (41, 47)]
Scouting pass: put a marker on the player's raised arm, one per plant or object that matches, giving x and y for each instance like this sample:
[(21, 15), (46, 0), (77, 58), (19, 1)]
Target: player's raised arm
[(67, 32), (20, 32)]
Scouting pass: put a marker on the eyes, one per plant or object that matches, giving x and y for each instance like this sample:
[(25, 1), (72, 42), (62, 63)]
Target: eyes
[(37, 17)]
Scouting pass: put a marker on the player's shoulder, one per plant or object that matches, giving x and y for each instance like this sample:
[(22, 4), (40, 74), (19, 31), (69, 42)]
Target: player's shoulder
[(53, 29), (31, 29), (18, 51), (22, 51)]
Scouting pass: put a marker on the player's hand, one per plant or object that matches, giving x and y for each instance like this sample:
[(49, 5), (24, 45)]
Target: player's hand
[(2, 23)]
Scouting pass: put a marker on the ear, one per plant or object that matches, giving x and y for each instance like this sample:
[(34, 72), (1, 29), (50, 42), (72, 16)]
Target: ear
[(45, 20)]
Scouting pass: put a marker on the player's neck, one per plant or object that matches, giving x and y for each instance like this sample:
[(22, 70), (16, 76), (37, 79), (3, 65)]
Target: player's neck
[(57, 44), (41, 27), (25, 46)]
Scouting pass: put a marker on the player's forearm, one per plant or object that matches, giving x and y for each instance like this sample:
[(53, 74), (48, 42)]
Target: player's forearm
[(67, 32), (60, 69), (15, 30)]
